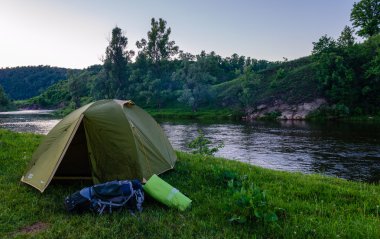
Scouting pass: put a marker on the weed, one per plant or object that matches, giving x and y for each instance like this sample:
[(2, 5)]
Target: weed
[(249, 203), (201, 145)]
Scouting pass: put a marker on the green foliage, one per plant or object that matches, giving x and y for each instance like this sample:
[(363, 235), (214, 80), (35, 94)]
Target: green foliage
[(346, 38), (69, 94), (349, 73), (249, 84), (196, 84), (55, 96), (155, 79), (29, 81), (115, 65), (365, 15), (342, 71), (156, 53), (158, 47), (4, 101), (336, 77), (77, 89), (204, 114), (201, 145), (324, 45), (296, 83), (280, 74), (249, 203)]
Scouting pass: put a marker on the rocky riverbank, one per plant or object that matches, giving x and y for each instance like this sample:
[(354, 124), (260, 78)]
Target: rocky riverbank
[(284, 111)]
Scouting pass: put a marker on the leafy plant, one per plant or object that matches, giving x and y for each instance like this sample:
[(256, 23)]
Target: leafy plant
[(250, 203), (201, 145)]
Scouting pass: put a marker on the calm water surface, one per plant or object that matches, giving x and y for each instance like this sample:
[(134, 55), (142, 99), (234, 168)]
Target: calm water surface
[(350, 151), (31, 121)]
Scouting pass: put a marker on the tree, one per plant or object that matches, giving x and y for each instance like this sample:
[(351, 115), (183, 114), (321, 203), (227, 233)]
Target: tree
[(158, 50), (196, 88), (237, 63), (346, 38), (370, 86), (158, 47), (4, 101), (186, 56), (201, 145), (78, 84), (249, 84), (365, 15), (115, 64), (324, 44)]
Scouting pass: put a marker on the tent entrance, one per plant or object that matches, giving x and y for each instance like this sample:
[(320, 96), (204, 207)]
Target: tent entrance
[(76, 163)]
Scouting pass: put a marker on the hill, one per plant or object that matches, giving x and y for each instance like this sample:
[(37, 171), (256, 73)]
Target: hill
[(291, 81), (28, 81), (337, 80)]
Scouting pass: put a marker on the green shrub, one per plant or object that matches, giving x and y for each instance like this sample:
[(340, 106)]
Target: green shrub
[(250, 203), (201, 145)]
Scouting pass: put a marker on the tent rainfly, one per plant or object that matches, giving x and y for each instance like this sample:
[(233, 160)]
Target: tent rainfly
[(104, 140)]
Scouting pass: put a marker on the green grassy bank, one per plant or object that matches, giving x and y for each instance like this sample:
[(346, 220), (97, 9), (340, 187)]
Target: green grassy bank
[(179, 113), (201, 114), (314, 206)]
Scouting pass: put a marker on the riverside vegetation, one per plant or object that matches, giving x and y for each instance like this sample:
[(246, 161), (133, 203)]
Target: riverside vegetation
[(306, 206), (343, 72)]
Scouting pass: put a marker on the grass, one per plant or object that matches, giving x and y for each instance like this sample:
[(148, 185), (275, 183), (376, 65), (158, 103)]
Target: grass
[(315, 206), (201, 114)]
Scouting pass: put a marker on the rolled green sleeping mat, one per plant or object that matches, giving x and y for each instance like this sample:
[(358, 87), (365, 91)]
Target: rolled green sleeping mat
[(166, 194)]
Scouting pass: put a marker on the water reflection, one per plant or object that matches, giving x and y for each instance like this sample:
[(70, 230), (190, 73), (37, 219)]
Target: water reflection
[(350, 151)]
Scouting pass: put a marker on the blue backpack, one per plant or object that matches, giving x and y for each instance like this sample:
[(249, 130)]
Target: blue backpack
[(107, 197)]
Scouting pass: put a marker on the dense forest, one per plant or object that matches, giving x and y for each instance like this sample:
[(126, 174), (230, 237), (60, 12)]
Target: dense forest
[(28, 81), (4, 100), (343, 71)]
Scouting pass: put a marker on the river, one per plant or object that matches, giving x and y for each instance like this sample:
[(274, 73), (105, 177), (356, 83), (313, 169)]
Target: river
[(345, 150)]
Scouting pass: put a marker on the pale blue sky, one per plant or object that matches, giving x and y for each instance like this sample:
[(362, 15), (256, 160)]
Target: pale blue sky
[(74, 33)]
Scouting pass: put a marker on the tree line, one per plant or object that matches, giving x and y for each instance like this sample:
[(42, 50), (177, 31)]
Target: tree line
[(349, 72), (28, 81), (160, 75)]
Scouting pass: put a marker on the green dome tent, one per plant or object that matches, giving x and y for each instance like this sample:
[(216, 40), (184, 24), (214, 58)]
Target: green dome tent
[(104, 140)]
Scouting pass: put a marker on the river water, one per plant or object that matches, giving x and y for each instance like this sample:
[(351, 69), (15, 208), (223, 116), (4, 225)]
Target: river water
[(345, 150)]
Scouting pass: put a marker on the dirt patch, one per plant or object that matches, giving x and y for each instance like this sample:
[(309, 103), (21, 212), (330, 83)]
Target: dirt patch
[(32, 229)]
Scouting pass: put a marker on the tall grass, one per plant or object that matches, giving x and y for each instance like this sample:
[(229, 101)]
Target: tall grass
[(314, 206)]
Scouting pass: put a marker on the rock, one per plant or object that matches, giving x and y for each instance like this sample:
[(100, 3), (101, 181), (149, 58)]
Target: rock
[(287, 115), (288, 112), (261, 107)]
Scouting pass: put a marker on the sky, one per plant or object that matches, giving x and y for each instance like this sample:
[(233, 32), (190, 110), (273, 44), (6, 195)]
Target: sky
[(75, 33)]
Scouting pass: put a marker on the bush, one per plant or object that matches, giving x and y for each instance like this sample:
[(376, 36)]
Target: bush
[(201, 145), (250, 203)]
